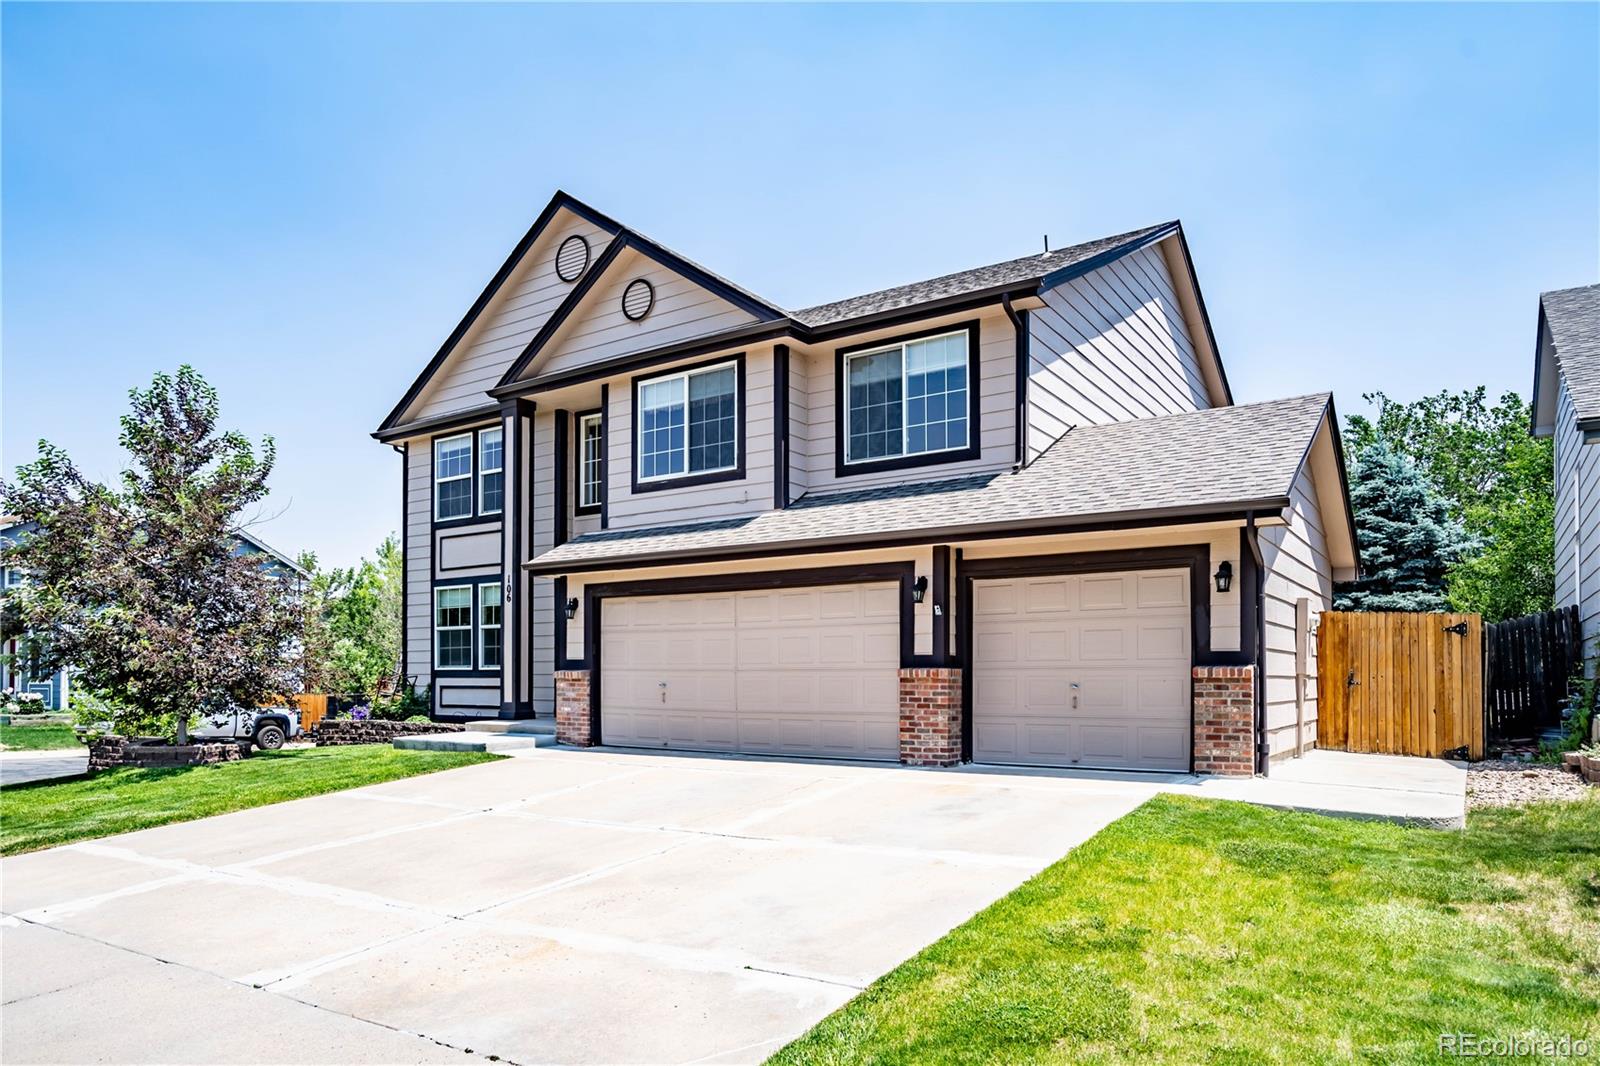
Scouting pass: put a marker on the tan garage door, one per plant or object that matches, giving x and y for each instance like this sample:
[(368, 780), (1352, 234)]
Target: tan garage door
[(804, 671), (1083, 670)]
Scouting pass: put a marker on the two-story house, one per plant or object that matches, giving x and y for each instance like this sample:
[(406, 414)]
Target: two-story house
[(1009, 515), (1566, 406)]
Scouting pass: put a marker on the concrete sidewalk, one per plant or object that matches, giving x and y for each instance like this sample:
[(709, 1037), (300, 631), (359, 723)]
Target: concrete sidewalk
[(21, 767)]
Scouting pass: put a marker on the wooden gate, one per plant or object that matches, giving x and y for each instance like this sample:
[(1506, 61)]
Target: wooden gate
[(1399, 683)]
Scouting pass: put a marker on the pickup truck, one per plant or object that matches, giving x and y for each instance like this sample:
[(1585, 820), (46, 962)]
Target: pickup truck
[(265, 727)]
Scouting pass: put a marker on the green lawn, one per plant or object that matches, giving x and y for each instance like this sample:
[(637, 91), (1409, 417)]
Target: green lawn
[(1209, 932), (48, 813), (37, 737)]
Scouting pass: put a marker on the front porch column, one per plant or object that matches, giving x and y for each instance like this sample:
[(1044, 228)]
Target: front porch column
[(930, 716), (1225, 720), (573, 719)]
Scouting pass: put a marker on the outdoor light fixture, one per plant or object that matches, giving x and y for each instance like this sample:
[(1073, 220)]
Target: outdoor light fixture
[(1224, 577), (919, 589), (572, 608)]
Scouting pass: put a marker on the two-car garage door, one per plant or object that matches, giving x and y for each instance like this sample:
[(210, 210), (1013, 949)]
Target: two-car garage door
[(793, 671), (1083, 670)]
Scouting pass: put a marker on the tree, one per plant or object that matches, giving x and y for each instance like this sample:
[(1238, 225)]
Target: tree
[(1497, 481), (353, 622), (139, 588), (1407, 536)]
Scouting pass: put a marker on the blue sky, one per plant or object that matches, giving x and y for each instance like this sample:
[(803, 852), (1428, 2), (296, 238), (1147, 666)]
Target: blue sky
[(303, 200)]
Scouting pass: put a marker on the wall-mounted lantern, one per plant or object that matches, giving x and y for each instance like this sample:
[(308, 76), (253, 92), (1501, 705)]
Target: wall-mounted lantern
[(919, 589), (572, 608), (1224, 576)]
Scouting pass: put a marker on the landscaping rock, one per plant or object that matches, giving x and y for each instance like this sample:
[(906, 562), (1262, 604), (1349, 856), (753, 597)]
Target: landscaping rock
[(337, 731), (1508, 783), (108, 753)]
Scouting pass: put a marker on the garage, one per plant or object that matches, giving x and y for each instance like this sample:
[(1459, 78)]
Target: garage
[(808, 671), (1084, 670)]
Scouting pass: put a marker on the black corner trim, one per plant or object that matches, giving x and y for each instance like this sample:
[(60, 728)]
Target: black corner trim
[(687, 480), (605, 456), (780, 426), (974, 448)]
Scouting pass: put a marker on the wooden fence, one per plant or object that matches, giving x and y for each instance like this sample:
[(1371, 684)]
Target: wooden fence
[(1529, 664), (313, 707), (1400, 684)]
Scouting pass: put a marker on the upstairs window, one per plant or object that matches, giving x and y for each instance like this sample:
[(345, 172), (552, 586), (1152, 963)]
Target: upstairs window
[(452, 627), (589, 452), (909, 398), (491, 471), (688, 423), (452, 477)]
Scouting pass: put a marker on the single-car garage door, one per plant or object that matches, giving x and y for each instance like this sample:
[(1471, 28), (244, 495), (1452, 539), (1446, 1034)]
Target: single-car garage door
[(797, 671), (1083, 670)]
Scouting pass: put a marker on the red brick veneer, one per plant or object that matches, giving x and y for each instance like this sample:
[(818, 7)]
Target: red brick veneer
[(572, 708), (1224, 720), (930, 716)]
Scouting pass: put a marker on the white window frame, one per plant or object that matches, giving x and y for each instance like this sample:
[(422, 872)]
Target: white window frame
[(685, 375), (437, 628), (905, 425), (482, 470), (437, 480), (596, 419), (498, 627)]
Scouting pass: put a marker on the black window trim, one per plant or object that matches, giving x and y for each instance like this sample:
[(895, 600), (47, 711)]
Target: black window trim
[(974, 448), (475, 516), (688, 480), (578, 419), (471, 477)]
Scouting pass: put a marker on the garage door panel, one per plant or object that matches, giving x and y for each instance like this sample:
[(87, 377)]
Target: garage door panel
[(811, 671), (1123, 639)]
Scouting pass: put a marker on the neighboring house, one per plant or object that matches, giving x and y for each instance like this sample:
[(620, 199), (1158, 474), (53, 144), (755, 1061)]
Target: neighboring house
[(1566, 406), (1009, 514), (56, 687)]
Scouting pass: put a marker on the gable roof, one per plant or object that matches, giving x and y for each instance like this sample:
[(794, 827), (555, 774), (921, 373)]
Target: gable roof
[(1572, 317), (1219, 462), (1030, 269), (557, 202)]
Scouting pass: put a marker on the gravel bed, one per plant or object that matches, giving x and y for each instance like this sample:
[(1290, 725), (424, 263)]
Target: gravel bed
[(1507, 783)]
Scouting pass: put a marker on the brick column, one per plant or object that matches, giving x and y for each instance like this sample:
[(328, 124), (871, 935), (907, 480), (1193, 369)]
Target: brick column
[(1225, 720), (930, 716), (572, 708)]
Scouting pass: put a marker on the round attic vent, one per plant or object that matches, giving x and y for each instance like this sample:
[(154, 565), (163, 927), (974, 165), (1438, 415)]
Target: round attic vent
[(572, 258), (637, 299)]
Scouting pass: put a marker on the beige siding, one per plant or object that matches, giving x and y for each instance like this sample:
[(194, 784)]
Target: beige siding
[(526, 300), (723, 499), (1108, 347), (598, 329), (1577, 521), (542, 635), (997, 413), (419, 559), (800, 373), (1296, 558), (476, 697)]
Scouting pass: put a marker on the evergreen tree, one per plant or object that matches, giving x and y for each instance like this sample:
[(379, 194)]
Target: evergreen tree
[(1409, 541)]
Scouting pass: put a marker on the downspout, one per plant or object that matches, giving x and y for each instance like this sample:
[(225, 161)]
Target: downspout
[(1252, 535), (1019, 324)]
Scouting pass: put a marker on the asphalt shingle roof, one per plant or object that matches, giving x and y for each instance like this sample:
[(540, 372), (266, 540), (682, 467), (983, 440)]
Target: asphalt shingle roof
[(1573, 316), (1012, 271), (1213, 460)]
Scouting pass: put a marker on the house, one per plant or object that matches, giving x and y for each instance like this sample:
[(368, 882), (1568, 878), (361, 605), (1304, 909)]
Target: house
[(56, 686), (1566, 406), (1010, 514)]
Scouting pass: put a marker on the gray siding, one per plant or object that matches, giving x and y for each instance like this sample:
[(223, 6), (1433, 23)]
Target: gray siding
[(1577, 521), (1110, 346), (542, 635), (682, 311), (504, 329), (1296, 557), (997, 412), (419, 560)]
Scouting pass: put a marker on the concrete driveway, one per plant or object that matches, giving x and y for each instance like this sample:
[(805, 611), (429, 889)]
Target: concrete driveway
[(560, 906)]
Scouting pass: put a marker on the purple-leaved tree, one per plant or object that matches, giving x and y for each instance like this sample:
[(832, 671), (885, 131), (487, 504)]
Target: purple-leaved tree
[(140, 589)]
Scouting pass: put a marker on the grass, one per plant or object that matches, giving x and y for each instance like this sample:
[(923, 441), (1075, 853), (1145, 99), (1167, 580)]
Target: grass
[(37, 737), (48, 813), (1208, 932)]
